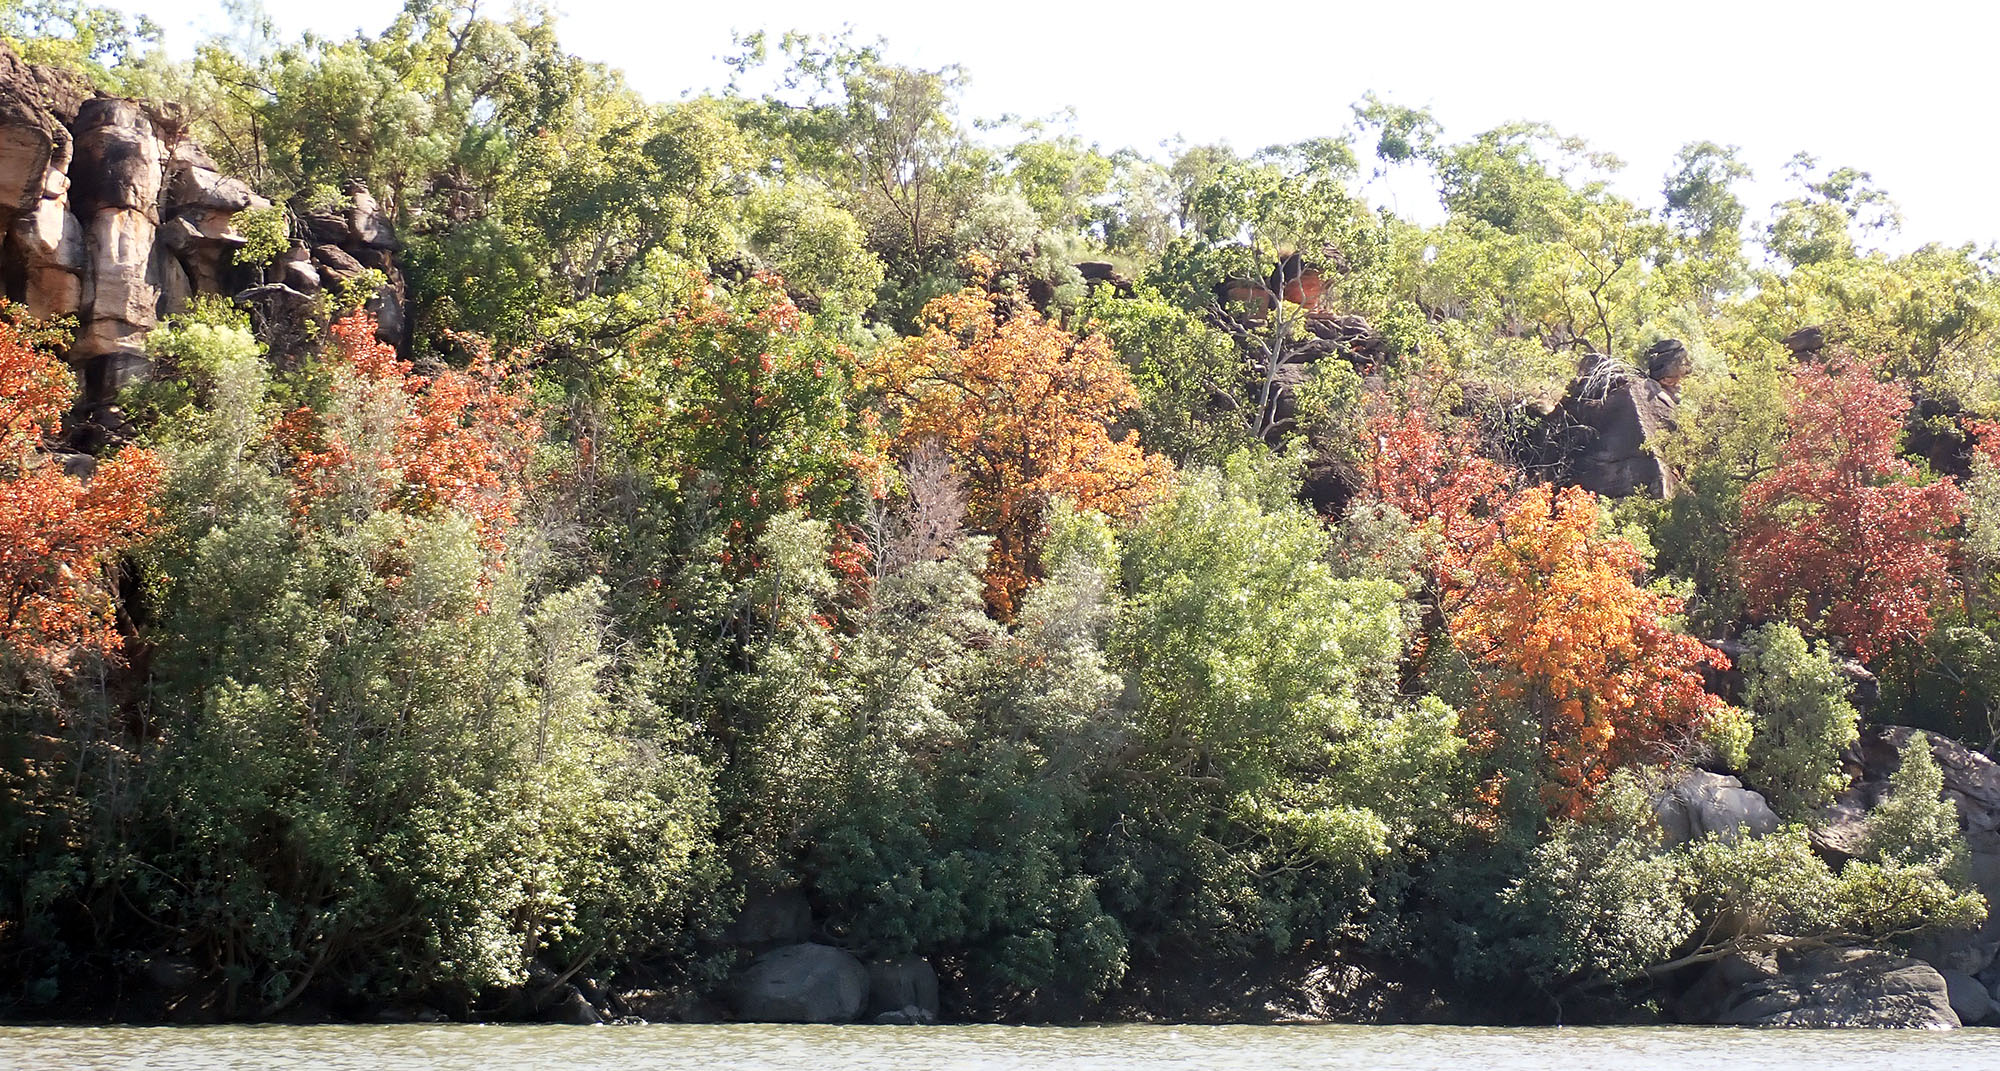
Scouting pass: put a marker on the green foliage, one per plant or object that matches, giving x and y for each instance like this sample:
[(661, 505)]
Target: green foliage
[(383, 765), (1777, 884), (1804, 721), (885, 140), (100, 43), (1178, 363), (1247, 651), (1599, 898), (815, 246), (1261, 686), (1061, 178), (384, 751), (1730, 735), (265, 235), (1824, 222), (1916, 825), (1703, 207), (739, 409)]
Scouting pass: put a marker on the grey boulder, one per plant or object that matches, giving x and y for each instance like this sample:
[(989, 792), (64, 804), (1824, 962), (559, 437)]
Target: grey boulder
[(803, 983), (902, 991), (1969, 998), (1820, 987), (1704, 803)]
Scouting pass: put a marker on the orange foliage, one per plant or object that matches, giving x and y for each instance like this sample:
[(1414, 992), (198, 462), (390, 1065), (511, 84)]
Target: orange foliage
[(1844, 536), (1024, 409), (58, 533), (454, 440), (1546, 609), (1556, 627)]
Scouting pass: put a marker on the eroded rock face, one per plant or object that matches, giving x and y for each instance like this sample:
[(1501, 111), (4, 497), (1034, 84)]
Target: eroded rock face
[(1971, 783), (1602, 434), (365, 219), (36, 105), (1820, 987), (111, 215), (803, 983), (50, 243), (1703, 804), (119, 301), (118, 158)]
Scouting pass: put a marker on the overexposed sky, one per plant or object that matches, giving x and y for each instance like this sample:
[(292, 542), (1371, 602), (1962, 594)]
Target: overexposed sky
[(1908, 91)]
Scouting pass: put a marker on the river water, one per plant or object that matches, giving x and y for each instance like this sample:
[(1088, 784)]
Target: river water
[(983, 1048)]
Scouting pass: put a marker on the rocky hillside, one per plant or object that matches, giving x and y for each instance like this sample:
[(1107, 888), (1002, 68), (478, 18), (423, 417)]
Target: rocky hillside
[(116, 217)]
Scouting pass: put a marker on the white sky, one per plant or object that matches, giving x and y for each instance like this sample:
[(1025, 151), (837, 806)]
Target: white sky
[(1906, 91)]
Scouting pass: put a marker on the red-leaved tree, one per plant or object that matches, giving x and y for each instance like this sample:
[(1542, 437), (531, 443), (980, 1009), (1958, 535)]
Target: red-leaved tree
[(1845, 537), (1025, 410), (1575, 669), (1432, 470), (59, 533), (389, 438)]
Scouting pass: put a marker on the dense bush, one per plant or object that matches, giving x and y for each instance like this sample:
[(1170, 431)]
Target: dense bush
[(765, 503)]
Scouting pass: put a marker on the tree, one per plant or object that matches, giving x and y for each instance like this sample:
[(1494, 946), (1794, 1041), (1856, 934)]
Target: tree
[(59, 534), (1845, 537), (1432, 470), (1272, 768), (885, 139), (100, 43), (1803, 719), (1822, 223), (1025, 409), (741, 410), (1178, 363), (390, 438), (1707, 213), (1916, 826), (1061, 177), (1575, 661), (816, 247), (1699, 199), (1250, 231), (1245, 649), (381, 760)]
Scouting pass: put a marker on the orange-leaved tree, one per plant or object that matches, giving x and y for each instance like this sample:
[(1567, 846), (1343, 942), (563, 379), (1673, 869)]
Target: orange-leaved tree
[(1845, 537), (389, 438), (59, 533), (1024, 409), (1573, 659)]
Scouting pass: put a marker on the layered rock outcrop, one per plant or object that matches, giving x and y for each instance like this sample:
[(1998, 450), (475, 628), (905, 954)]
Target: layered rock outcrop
[(115, 218), (1603, 434)]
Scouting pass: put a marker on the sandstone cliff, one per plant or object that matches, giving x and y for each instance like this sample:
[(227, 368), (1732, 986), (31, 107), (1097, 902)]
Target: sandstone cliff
[(114, 217)]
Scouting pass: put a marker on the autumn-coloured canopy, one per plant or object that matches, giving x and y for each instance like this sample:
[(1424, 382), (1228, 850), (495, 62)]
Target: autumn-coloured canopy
[(59, 533), (1846, 536), (1025, 410)]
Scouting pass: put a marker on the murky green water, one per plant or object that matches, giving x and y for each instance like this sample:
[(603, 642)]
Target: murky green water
[(966, 1048)]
